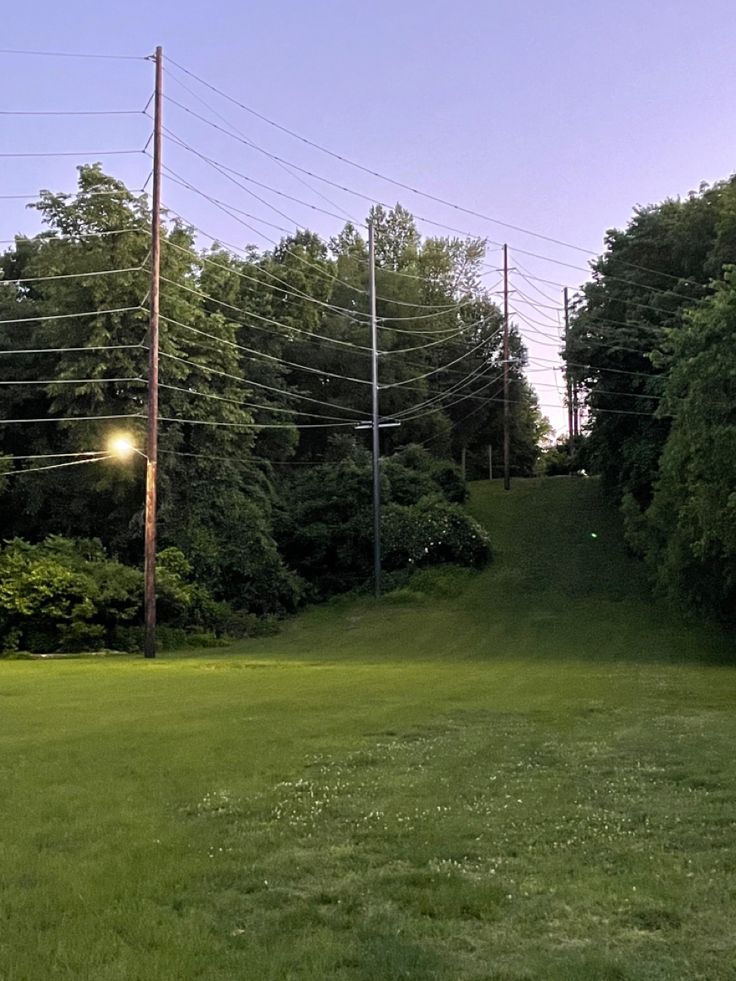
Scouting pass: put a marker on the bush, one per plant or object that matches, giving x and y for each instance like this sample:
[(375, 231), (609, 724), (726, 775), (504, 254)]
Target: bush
[(325, 531), (63, 595), (449, 479), (241, 624), (431, 532), (68, 595)]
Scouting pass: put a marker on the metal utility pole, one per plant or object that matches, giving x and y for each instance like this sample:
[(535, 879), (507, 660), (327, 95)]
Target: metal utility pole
[(490, 462), (506, 444), (375, 421), (149, 642), (568, 379)]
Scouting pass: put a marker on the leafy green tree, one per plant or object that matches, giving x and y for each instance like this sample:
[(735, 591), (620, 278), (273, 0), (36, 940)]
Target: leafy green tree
[(690, 525)]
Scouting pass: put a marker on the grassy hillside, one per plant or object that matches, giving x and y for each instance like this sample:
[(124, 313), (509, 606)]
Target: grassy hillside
[(525, 774)]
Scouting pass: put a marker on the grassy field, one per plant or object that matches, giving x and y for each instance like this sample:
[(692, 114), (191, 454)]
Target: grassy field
[(524, 774)]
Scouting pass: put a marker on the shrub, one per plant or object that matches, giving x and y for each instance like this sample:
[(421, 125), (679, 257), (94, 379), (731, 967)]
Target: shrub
[(63, 595), (430, 532), (241, 624), (324, 527)]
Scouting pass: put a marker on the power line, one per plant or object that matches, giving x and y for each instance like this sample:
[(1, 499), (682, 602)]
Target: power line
[(228, 209), (286, 289), (260, 356), (619, 279), (77, 275), (249, 382), (580, 364), (269, 320), (288, 168), (478, 374), (597, 391), (70, 381), (50, 456), (401, 184), (251, 405), (223, 206), (257, 425), (291, 164), (71, 112), (54, 466), (449, 405), (433, 371), (226, 172), (73, 54), (11, 422), (63, 350), (459, 332), (71, 316), (44, 236), (72, 153)]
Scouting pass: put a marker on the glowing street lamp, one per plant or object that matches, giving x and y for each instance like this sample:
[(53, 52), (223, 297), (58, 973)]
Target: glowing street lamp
[(122, 447)]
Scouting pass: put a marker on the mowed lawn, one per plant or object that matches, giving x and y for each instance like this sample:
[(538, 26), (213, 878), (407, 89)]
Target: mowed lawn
[(528, 773)]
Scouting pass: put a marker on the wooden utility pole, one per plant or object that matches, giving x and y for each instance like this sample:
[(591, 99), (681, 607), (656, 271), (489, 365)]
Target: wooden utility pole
[(375, 419), (506, 437), (568, 378), (149, 642)]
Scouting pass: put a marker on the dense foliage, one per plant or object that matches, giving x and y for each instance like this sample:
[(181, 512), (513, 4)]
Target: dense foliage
[(264, 374), (326, 533), (653, 344)]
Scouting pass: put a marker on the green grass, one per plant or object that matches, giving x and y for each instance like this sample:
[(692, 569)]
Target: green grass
[(524, 774)]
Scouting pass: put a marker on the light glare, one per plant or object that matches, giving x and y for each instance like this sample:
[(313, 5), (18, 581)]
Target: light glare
[(121, 446)]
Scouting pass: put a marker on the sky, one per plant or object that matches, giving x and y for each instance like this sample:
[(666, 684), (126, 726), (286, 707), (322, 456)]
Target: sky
[(558, 117)]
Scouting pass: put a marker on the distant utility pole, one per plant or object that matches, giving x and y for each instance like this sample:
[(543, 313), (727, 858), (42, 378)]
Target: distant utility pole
[(506, 444), (149, 643), (568, 378), (375, 421), (490, 462)]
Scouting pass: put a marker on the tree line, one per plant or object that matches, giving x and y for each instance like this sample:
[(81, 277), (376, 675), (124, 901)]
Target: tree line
[(264, 370), (653, 343)]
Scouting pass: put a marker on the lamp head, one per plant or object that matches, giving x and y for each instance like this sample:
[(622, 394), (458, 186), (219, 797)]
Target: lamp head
[(121, 446)]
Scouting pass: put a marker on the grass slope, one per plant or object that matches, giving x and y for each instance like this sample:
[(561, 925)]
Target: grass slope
[(526, 774)]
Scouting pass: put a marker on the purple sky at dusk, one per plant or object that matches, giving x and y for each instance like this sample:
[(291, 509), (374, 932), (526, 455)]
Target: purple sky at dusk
[(558, 117)]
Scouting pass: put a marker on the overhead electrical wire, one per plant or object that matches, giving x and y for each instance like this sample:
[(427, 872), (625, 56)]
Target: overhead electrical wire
[(72, 316), (269, 320), (69, 381), (261, 357), (285, 288), (256, 425), (444, 407), (125, 415), (64, 350), (51, 456), (72, 153), (230, 208), (434, 371), (76, 275), (283, 164), (251, 405), (55, 466), (333, 278), (71, 112), (408, 187), (74, 54), (250, 383)]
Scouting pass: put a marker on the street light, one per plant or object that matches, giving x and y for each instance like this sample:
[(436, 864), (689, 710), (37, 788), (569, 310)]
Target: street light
[(121, 446)]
